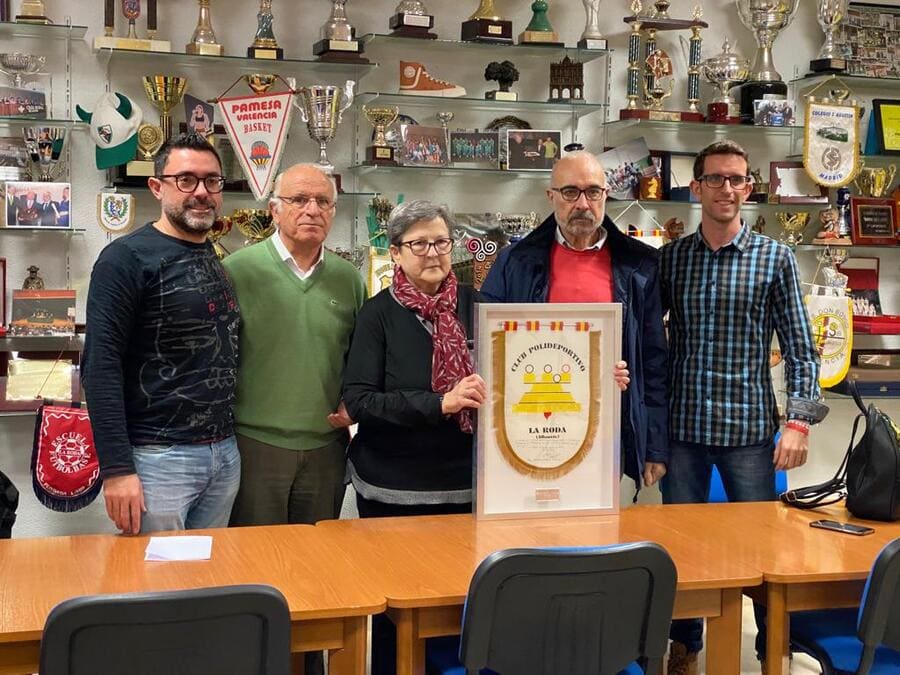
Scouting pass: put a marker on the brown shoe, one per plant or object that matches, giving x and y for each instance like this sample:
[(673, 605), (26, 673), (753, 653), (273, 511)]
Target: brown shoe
[(681, 661)]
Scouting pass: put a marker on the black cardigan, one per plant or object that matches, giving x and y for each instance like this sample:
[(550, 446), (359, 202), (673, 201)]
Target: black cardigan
[(404, 444)]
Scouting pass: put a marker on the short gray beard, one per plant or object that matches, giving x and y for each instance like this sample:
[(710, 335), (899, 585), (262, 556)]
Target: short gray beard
[(579, 230), (190, 224)]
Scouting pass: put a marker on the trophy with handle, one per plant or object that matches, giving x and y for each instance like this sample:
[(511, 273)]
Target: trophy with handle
[(322, 108), (44, 146), (18, 65), (830, 13), (165, 92), (380, 117)]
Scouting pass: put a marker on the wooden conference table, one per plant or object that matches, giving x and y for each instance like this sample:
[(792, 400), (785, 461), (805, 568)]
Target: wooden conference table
[(328, 604), (424, 565)]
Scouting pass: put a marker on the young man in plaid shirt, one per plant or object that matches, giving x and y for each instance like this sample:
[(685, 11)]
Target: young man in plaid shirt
[(727, 290)]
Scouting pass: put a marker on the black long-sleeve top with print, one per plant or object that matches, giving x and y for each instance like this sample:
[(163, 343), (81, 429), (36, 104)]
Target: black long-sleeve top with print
[(161, 346), (404, 442)]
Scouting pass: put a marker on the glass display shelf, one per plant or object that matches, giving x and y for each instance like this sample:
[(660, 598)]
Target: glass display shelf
[(668, 203), (306, 67), (478, 104), (16, 408), (850, 249), (539, 174), (45, 230), (13, 29), (19, 121), (664, 126), (851, 80), (488, 49), (126, 187), (74, 343)]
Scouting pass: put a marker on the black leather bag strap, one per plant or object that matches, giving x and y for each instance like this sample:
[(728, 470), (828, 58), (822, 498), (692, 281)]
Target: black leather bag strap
[(854, 391)]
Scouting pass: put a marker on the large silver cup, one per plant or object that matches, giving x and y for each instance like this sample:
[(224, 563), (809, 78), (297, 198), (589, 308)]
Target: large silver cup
[(766, 18), (830, 13), (322, 108), (17, 64), (44, 146)]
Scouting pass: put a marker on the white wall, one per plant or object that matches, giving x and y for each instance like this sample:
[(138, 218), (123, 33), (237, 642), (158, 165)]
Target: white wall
[(297, 25)]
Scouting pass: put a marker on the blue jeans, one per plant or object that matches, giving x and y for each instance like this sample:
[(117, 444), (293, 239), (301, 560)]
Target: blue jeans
[(748, 475), (188, 487)]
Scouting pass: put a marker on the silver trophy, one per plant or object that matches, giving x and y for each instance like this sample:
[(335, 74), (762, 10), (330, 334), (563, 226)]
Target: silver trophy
[(830, 13), (17, 65), (338, 27), (339, 41), (766, 18), (592, 37), (322, 108), (724, 71), (44, 146), (414, 7)]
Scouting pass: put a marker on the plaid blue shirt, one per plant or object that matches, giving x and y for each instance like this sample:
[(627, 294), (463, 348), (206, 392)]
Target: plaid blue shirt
[(723, 309)]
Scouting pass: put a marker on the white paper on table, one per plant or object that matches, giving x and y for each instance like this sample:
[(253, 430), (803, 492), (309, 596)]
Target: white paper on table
[(178, 548)]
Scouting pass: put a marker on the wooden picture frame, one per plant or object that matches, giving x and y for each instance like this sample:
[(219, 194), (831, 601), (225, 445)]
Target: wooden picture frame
[(790, 184), (886, 113), (874, 221)]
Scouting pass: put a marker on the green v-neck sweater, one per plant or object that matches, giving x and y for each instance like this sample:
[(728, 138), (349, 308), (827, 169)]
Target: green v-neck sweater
[(294, 339)]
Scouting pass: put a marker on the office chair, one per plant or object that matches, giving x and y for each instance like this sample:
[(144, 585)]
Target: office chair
[(864, 641), (239, 630), (579, 611)]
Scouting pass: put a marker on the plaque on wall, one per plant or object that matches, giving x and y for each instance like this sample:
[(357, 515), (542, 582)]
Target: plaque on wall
[(874, 221)]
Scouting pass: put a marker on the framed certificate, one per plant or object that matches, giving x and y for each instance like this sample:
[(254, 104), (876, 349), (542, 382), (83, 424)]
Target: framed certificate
[(548, 435), (874, 221), (887, 125)]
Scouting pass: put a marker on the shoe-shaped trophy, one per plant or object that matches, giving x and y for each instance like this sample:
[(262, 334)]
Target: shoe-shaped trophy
[(265, 46), (131, 10), (592, 36), (165, 92), (765, 18), (255, 224), (32, 11), (830, 13), (485, 25), (203, 41), (381, 117), (44, 146), (18, 65), (339, 43), (411, 19), (539, 31), (322, 108), (724, 71)]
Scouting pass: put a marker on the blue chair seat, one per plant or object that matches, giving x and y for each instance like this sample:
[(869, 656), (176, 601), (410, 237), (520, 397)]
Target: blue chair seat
[(441, 658), (829, 636)]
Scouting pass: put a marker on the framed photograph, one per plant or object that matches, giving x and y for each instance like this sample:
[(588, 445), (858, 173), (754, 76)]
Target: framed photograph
[(13, 158), (625, 165), (790, 184), (874, 221), (2, 294), (475, 148), (200, 115), (30, 103), (773, 113), (531, 149), (548, 440), (42, 313), (424, 146), (38, 205), (886, 113)]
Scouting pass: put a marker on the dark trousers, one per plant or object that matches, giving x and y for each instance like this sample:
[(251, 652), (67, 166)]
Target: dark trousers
[(748, 475), (384, 634)]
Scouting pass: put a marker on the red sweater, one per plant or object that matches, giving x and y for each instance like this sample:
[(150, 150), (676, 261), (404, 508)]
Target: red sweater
[(580, 276)]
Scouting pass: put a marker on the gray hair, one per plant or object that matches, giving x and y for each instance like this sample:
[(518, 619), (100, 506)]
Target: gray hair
[(276, 187), (407, 214)]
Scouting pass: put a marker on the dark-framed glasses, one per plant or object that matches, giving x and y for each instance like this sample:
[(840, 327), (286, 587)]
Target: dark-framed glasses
[(717, 180), (300, 201), (570, 193), (188, 182), (420, 246)]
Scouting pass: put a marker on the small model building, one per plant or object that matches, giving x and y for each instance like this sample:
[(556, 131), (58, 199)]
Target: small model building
[(566, 81)]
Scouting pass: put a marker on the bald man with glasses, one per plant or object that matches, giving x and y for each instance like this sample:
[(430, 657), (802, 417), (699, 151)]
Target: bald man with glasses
[(160, 356), (578, 255)]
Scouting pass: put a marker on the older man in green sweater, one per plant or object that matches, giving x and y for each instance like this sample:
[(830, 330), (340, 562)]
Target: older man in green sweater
[(298, 305)]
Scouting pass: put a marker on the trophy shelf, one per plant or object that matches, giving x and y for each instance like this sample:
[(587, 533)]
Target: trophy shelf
[(813, 79), (310, 67), (18, 121), (494, 50), (450, 171), (42, 230), (695, 206), (25, 408), (12, 29), (858, 248), (404, 101), (665, 126), (238, 194)]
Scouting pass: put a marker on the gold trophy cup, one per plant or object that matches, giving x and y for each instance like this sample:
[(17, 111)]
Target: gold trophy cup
[(793, 225), (380, 152), (255, 224), (165, 92), (220, 229), (485, 25), (875, 182)]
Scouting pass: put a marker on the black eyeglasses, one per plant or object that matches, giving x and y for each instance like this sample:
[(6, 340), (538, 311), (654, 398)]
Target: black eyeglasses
[(570, 193), (300, 201), (420, 247), (717, 180), (188, 182)]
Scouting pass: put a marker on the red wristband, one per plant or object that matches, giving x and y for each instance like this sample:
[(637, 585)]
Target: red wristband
[(796, 425)]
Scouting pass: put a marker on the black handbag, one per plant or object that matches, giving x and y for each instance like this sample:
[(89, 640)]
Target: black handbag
[(869, 475)]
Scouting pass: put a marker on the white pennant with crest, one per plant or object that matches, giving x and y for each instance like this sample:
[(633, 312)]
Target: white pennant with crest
[(257, 126), (831, 317), (831, 144)]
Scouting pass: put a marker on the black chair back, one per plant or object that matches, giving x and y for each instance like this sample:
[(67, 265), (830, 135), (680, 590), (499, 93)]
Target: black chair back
[(9, 502), (879, 613), (583, 611), (244, 630)]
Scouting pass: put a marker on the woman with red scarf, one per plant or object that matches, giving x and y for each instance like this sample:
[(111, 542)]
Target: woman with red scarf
[(409, 380)]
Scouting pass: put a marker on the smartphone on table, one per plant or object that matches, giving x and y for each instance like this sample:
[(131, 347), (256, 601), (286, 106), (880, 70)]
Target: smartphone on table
[(846, 528)]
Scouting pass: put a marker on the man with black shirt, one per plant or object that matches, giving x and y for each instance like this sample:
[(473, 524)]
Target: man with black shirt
[(160, 357)]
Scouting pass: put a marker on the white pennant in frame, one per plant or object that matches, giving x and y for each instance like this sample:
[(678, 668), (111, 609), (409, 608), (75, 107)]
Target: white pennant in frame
[(831, 143), (257, 126)]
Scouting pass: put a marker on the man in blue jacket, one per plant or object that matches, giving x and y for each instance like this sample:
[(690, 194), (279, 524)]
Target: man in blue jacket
[(578, 255)]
